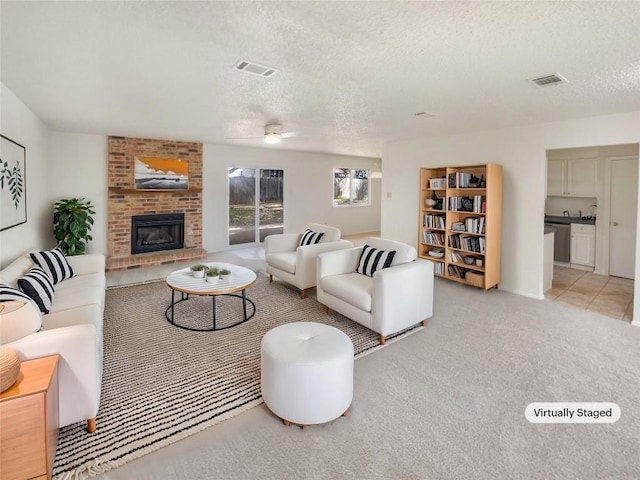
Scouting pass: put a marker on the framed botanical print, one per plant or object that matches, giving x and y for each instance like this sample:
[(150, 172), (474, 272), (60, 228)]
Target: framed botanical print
[(13, 184)]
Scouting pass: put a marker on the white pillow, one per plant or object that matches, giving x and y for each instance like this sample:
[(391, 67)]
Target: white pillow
[(16, 269), (17, 320)]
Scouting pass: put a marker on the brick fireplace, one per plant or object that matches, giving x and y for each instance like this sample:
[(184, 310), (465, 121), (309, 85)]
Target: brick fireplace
[(126, 202)]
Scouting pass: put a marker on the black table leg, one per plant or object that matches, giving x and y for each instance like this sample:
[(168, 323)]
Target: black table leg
[(244, 304), (173, 297), (170, 316)]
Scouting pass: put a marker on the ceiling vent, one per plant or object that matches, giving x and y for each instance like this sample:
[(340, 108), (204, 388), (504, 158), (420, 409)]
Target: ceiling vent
[(255, 68), (549, 80)]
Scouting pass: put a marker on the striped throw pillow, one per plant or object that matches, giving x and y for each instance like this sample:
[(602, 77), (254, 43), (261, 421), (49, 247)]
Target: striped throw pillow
[(309, 237), (54, 263), (372, 259), (10, 294), (37, 285)]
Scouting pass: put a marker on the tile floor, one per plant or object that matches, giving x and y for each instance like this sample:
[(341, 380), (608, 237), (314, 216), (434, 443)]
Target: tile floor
[(611, 296)]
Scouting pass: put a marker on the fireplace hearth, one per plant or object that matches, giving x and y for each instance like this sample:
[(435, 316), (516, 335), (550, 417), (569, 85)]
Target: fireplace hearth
[(155, 233)]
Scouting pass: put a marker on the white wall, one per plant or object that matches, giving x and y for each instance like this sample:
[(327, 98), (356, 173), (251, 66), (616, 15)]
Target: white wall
[(80, 170), (308, 190), (522, 153), (21, 125)]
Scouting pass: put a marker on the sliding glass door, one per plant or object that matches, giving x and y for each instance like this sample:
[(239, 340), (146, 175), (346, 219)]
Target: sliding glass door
[(256, 204)]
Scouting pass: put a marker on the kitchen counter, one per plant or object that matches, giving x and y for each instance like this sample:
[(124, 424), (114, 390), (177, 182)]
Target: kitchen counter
[(568, 220)]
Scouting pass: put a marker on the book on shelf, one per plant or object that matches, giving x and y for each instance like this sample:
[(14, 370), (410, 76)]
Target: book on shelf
[(433, 238), (454, 257), (456, 271), (434, 221), (463, 179), (452, 180), (462, 204), (479, 205), (459, 180), (472, 244), (454, 240), (473, 225)]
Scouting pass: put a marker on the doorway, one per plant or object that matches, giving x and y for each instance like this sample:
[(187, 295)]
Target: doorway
[(615, 194), (256, 204), (623, 214)]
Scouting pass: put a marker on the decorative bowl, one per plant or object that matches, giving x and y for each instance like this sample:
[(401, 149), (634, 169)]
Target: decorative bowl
[(9, 367), (436, 253), (469, 260)]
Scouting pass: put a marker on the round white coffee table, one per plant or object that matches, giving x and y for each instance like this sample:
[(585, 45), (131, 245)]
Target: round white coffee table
[(184, 282)]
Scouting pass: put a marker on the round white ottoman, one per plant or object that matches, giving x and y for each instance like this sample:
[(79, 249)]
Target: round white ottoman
[(307, 372)]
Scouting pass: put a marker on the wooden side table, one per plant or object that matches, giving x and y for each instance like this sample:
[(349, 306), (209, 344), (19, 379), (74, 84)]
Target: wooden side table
[(29, 420)]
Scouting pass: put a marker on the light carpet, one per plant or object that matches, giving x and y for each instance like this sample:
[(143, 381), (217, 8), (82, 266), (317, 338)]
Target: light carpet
[(162, 383), (447, 403)]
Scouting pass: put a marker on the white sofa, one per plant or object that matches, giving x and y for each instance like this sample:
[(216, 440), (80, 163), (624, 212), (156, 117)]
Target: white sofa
[(72, 329), (393, 299), (296, 264)]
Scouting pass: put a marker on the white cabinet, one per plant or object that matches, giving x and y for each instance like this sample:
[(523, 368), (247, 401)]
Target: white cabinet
[(573, 177), (556, 177), (583, 245)]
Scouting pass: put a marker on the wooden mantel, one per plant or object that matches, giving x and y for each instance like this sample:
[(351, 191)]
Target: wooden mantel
[(133, 191)]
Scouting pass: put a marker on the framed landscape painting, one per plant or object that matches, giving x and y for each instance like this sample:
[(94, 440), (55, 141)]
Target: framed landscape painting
[(13, 184), (159, 173)]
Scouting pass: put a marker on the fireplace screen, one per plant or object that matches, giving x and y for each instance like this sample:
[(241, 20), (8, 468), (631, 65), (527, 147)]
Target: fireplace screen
[(154, 233)]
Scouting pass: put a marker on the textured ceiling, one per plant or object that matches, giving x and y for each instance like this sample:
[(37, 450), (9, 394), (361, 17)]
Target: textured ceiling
[(351, 74)]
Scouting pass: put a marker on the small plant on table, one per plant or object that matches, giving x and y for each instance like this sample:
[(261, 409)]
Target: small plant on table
[(212, 274), (198, 270)]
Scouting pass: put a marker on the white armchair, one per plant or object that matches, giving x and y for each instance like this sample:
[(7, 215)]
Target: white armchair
[(296, 264), (391, 300)]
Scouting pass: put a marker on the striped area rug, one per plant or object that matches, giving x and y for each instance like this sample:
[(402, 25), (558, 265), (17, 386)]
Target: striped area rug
[(162, 383)]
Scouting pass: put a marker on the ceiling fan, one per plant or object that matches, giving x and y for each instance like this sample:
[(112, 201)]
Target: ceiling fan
[(273, 134)]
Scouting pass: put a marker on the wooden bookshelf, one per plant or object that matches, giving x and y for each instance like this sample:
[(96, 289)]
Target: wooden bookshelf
[(466, 222)]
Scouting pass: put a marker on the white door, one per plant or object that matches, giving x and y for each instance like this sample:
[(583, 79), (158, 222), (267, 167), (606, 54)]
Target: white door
[(624, 206), (256, 207)]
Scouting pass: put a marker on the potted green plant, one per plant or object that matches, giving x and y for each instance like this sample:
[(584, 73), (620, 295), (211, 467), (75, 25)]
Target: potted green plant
[(198, 270), (213, 275), (72, 222), (224, 274)]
